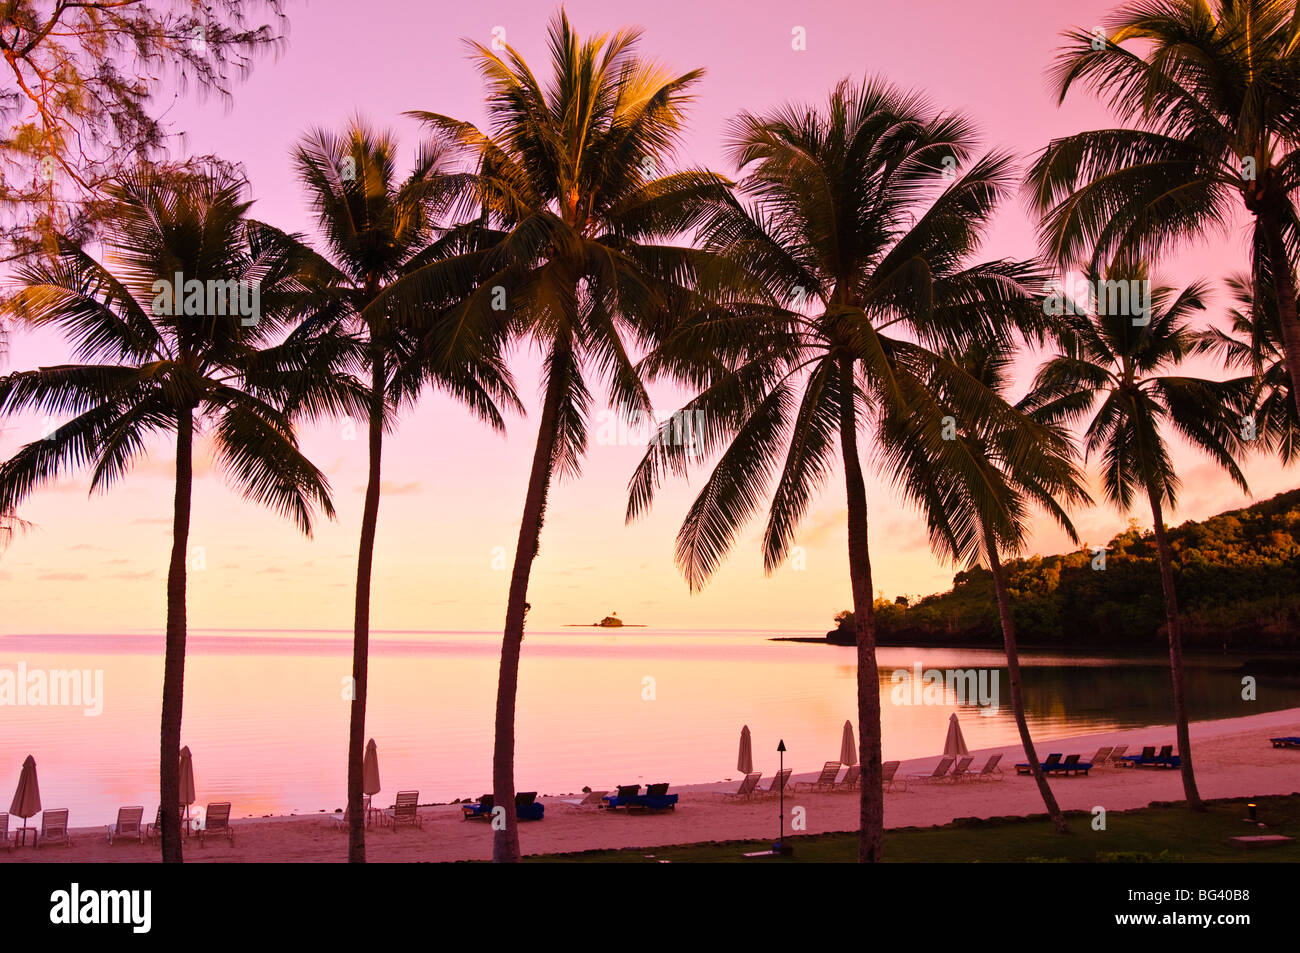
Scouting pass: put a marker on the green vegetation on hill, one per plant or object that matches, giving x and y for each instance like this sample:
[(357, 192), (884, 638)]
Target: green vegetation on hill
[(1237, 575)]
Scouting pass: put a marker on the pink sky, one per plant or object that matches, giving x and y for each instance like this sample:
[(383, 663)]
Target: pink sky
[(453, 491)]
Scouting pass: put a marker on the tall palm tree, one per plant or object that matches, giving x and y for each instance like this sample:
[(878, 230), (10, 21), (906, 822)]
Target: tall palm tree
[(861, 227), (574, 184), (1211, 97), (10, 524), (392, 276), (1254, 344), (1121, 378), (1009, 468), (150, 368)]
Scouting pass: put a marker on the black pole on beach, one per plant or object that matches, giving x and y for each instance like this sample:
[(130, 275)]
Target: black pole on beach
[(780, 847)]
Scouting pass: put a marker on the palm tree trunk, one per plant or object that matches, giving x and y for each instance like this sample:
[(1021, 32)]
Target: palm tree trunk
[(1284, 288), (505, 840), (169, 752), (871, 809), (1017, 694), (1175, 654), (361, 629)]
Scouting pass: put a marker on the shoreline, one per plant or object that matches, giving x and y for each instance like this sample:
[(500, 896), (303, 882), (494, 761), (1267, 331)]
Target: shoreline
[(1080, 649), (1233, 758)]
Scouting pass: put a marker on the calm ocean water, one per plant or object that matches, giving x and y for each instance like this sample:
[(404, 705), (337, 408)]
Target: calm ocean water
[(267, 723)]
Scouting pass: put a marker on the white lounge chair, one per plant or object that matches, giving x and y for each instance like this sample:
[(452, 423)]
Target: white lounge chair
[(216, 822), (405, 810), (939, 771), (129, 824), (748, 787), (825, 781), (959, 772), (777, 786), (54, 828)]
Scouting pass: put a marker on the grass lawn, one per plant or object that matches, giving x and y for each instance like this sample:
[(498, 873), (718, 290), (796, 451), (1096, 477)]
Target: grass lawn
[(1156, 834)]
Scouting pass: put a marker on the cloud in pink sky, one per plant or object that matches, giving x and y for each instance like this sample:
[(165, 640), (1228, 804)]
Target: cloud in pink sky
[(439, 549)]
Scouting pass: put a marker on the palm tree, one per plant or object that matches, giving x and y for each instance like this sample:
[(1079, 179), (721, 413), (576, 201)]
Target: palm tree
[(860, 227), (574, 187), (391, 278), (153, 368), (1212, 100), (1126, 371), (1008, 468), (1255, 345)]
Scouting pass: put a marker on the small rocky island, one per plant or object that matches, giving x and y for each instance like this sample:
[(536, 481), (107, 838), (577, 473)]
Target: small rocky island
[(611, 621)]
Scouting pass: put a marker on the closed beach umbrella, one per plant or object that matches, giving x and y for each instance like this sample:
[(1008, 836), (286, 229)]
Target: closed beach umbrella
[(187, 777), (370, 770), (848, 748), (745, 763), (27, 799), (955, 745)]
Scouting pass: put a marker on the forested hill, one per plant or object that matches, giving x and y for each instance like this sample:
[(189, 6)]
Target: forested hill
[(1238, 582)]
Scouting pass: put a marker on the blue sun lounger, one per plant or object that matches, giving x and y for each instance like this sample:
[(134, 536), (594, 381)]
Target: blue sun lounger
[(1052, 763), (1072, 765), (1292, 742), (656, 798), (527, 808), (625, 796), (480, 811), (1148, 755), (1149, 759)]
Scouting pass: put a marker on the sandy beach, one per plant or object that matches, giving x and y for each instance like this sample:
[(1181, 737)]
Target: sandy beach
[(1233, 759)]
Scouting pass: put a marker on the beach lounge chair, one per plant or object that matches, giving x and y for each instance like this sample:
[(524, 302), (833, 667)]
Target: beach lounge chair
[(960, 769), (153, 831), (1291, 742), (129, 824), (1072, 765), (779, 783), (216, 823), (593, 799), (825, 780), (1166, 758), (747, 787), (990, 771), (1100, 758), (852, 778), (623, 796), (939, 771), (656, 798), (888, 775), (54, 828), (1148, 754), (341, 819), (480, 811), (528, 808), (405, 811), (1116, 756), (1051, 764), (5, 841)]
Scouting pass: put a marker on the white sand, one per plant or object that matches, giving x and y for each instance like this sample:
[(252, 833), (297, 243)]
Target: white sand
[(1232, 757)]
